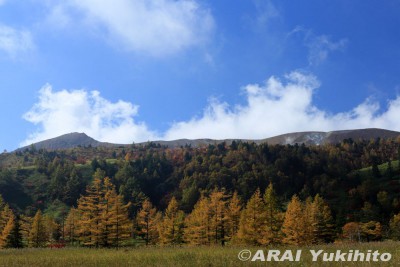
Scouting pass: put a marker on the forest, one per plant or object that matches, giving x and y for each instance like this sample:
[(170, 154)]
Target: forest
[(241, 193)]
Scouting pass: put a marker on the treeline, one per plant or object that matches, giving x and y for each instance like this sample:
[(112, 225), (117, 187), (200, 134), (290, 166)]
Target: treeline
[(358, 180), (101, 219)]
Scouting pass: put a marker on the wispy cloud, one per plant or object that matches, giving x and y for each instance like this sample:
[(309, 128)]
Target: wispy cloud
[(276, 107), (319, 46), (155, 27), (65, 111), (266, 10), (13, 41)]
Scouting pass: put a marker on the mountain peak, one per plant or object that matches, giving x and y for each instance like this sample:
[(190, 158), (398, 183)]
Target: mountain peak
[(69, 140)]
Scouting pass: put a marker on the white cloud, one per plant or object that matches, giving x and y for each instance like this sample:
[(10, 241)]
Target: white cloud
[(156, 27), (279, 107), (65, 111), (13, 41), (319, 46)]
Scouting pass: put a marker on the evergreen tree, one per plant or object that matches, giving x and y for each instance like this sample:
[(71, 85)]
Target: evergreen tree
[(15, 238), (324, 231), (308, 222)]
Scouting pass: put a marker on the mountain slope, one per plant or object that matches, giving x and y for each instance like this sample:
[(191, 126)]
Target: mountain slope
[(65, 141), (334, 137), (72, 140)]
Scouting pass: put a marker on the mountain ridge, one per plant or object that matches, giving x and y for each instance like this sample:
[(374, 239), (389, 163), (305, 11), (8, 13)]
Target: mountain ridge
[(76, 139)]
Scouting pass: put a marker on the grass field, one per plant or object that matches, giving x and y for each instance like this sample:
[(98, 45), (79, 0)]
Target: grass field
[(183, 256)]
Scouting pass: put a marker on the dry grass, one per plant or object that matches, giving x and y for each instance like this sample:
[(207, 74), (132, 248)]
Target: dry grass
[(182, 256)]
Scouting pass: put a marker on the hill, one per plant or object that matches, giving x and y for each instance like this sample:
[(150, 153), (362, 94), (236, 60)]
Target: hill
[(69, 140), (333, 137), (72, 140)]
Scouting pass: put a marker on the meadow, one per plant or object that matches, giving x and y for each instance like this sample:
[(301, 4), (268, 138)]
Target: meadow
[(184, 256)]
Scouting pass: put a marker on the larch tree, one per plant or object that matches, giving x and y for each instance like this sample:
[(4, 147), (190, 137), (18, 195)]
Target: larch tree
[(5, 215), (89, 207), (52, 228), (119, 220), (233, 216), (218, 220), (198, 223), (252, 220), (171, 226), (38, 233), (394, 227), (293, 227), (148, 219), (105, 205), (271, 233), (102, 215), (5, 235), (25, 225), (71, 226)]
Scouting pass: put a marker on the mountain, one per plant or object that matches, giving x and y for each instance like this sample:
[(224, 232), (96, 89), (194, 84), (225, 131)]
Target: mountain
[(334, 137), (72, 140), (308, 138)]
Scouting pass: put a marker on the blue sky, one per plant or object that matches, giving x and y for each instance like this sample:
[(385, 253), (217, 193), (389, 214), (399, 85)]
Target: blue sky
[(132, 70)]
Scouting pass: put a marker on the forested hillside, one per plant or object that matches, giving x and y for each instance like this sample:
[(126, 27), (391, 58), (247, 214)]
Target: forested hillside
[(356, 184)]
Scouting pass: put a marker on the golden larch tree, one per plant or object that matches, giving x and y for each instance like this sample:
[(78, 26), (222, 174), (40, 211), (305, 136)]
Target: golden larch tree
[(90, 208), (5, 215), (271, 233), (71, 226), (119, 220), (198, 223), (293, 227), (252, 220), (5, 234), (217, 212), (233, 216), (148, 219), (394, 227), (38, 235), (171, 226)]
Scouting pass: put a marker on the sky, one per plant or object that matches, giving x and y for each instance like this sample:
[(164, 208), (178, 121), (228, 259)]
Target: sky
[(127, 71)]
